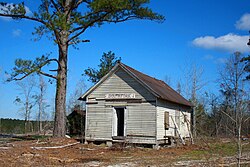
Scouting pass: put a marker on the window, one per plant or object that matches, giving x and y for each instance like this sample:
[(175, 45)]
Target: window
[(166, 120)]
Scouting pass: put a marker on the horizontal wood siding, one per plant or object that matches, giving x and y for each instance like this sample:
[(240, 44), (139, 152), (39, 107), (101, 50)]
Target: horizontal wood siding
[(141, 116), (121, 82), (174, 111), (161, 109), (141, 120), (99, 121), (140, 140)]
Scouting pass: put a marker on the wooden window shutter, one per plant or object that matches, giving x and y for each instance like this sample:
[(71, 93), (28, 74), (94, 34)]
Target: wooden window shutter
[(166, 120)]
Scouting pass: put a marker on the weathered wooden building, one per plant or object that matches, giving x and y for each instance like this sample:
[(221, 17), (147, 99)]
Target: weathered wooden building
[(127, 105), (76, 122)]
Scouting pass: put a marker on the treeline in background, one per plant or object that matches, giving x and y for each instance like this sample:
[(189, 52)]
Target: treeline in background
[(16, 126)]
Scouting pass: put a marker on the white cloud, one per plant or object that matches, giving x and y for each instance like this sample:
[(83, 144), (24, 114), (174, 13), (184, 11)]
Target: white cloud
[(4, 9), (16, 33), (244, 22), (229, 42)]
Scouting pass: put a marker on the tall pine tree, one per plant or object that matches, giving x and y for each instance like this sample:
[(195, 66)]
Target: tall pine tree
[(64, 21)]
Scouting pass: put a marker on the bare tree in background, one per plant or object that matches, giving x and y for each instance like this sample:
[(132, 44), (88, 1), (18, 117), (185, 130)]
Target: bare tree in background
[(168, 80), (26, 99), (215, 116), (195, 75), (233, 87), (74, 96), (40, 97), (179, 88), (193, 82)]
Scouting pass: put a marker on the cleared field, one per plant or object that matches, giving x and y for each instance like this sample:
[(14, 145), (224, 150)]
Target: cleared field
[(69, 152)]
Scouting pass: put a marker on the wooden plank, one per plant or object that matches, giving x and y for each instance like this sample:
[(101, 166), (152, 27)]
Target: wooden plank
[(188, 127), (177, 129)]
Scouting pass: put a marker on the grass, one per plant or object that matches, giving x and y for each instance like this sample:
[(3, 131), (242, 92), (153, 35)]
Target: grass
[(216, 150), (246, 146), (225, 149)]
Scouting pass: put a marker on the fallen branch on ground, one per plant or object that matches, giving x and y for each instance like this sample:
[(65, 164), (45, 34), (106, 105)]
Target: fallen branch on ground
[(67, 145), (5, 148)]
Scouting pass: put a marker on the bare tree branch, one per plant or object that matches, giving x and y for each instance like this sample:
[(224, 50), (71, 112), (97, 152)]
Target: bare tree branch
[(122, 20), (19, 79), (55, 5), (47, 75), (40, 72), (247, 119), (84, 28), (24, 17), (81, 1), (72, 42), (228, 116)]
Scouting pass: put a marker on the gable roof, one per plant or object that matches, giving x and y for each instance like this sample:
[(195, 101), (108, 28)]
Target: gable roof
[(157, 87)]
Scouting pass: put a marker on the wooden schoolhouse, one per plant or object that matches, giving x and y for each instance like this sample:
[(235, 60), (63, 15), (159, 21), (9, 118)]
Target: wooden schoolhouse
[(129, 106)]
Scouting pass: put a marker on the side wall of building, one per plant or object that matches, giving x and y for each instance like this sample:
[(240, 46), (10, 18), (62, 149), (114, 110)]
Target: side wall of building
[(140, 111), (176, 113)]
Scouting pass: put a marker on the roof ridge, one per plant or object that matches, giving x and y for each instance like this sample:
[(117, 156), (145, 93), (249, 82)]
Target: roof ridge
[(134, 69), (141, 72), (147, 75)]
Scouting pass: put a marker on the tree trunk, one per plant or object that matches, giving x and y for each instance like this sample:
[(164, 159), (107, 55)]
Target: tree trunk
[(40, 115), (239, 146), (60, 101), (26, 116), (194, 121)]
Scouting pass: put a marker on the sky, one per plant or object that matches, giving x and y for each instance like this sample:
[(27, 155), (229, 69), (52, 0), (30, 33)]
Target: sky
[(198, 32)]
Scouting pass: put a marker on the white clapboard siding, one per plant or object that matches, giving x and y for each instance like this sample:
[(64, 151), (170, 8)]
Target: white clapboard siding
[(184, 125), (174, 111), (161, 132)]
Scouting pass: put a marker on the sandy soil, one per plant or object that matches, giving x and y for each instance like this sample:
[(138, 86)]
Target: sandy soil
[(68, 152)]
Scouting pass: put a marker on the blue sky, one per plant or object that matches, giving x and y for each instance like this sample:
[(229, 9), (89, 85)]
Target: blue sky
[(194, 32)]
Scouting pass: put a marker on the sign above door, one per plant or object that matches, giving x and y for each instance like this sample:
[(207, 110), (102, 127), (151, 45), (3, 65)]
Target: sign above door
[(120, 96)]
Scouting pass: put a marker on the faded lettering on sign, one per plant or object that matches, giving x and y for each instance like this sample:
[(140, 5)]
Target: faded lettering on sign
[(120, 96)]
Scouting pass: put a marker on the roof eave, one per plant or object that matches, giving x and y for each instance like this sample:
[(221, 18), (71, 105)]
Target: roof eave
[(82, 98), (187, 105)]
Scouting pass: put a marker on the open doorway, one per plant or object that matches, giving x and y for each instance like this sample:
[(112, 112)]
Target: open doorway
[(119, 121)]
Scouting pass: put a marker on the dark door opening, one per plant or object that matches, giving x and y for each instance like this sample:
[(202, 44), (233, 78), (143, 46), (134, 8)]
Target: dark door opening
[(120, 121)]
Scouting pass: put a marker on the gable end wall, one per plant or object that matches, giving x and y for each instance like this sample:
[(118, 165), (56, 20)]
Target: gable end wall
[(141, 117)]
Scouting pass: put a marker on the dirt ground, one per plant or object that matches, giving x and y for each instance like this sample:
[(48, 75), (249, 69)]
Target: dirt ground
[(69, 152)]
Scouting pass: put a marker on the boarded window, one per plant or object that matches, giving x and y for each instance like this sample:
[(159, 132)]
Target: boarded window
[(166, 120)]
